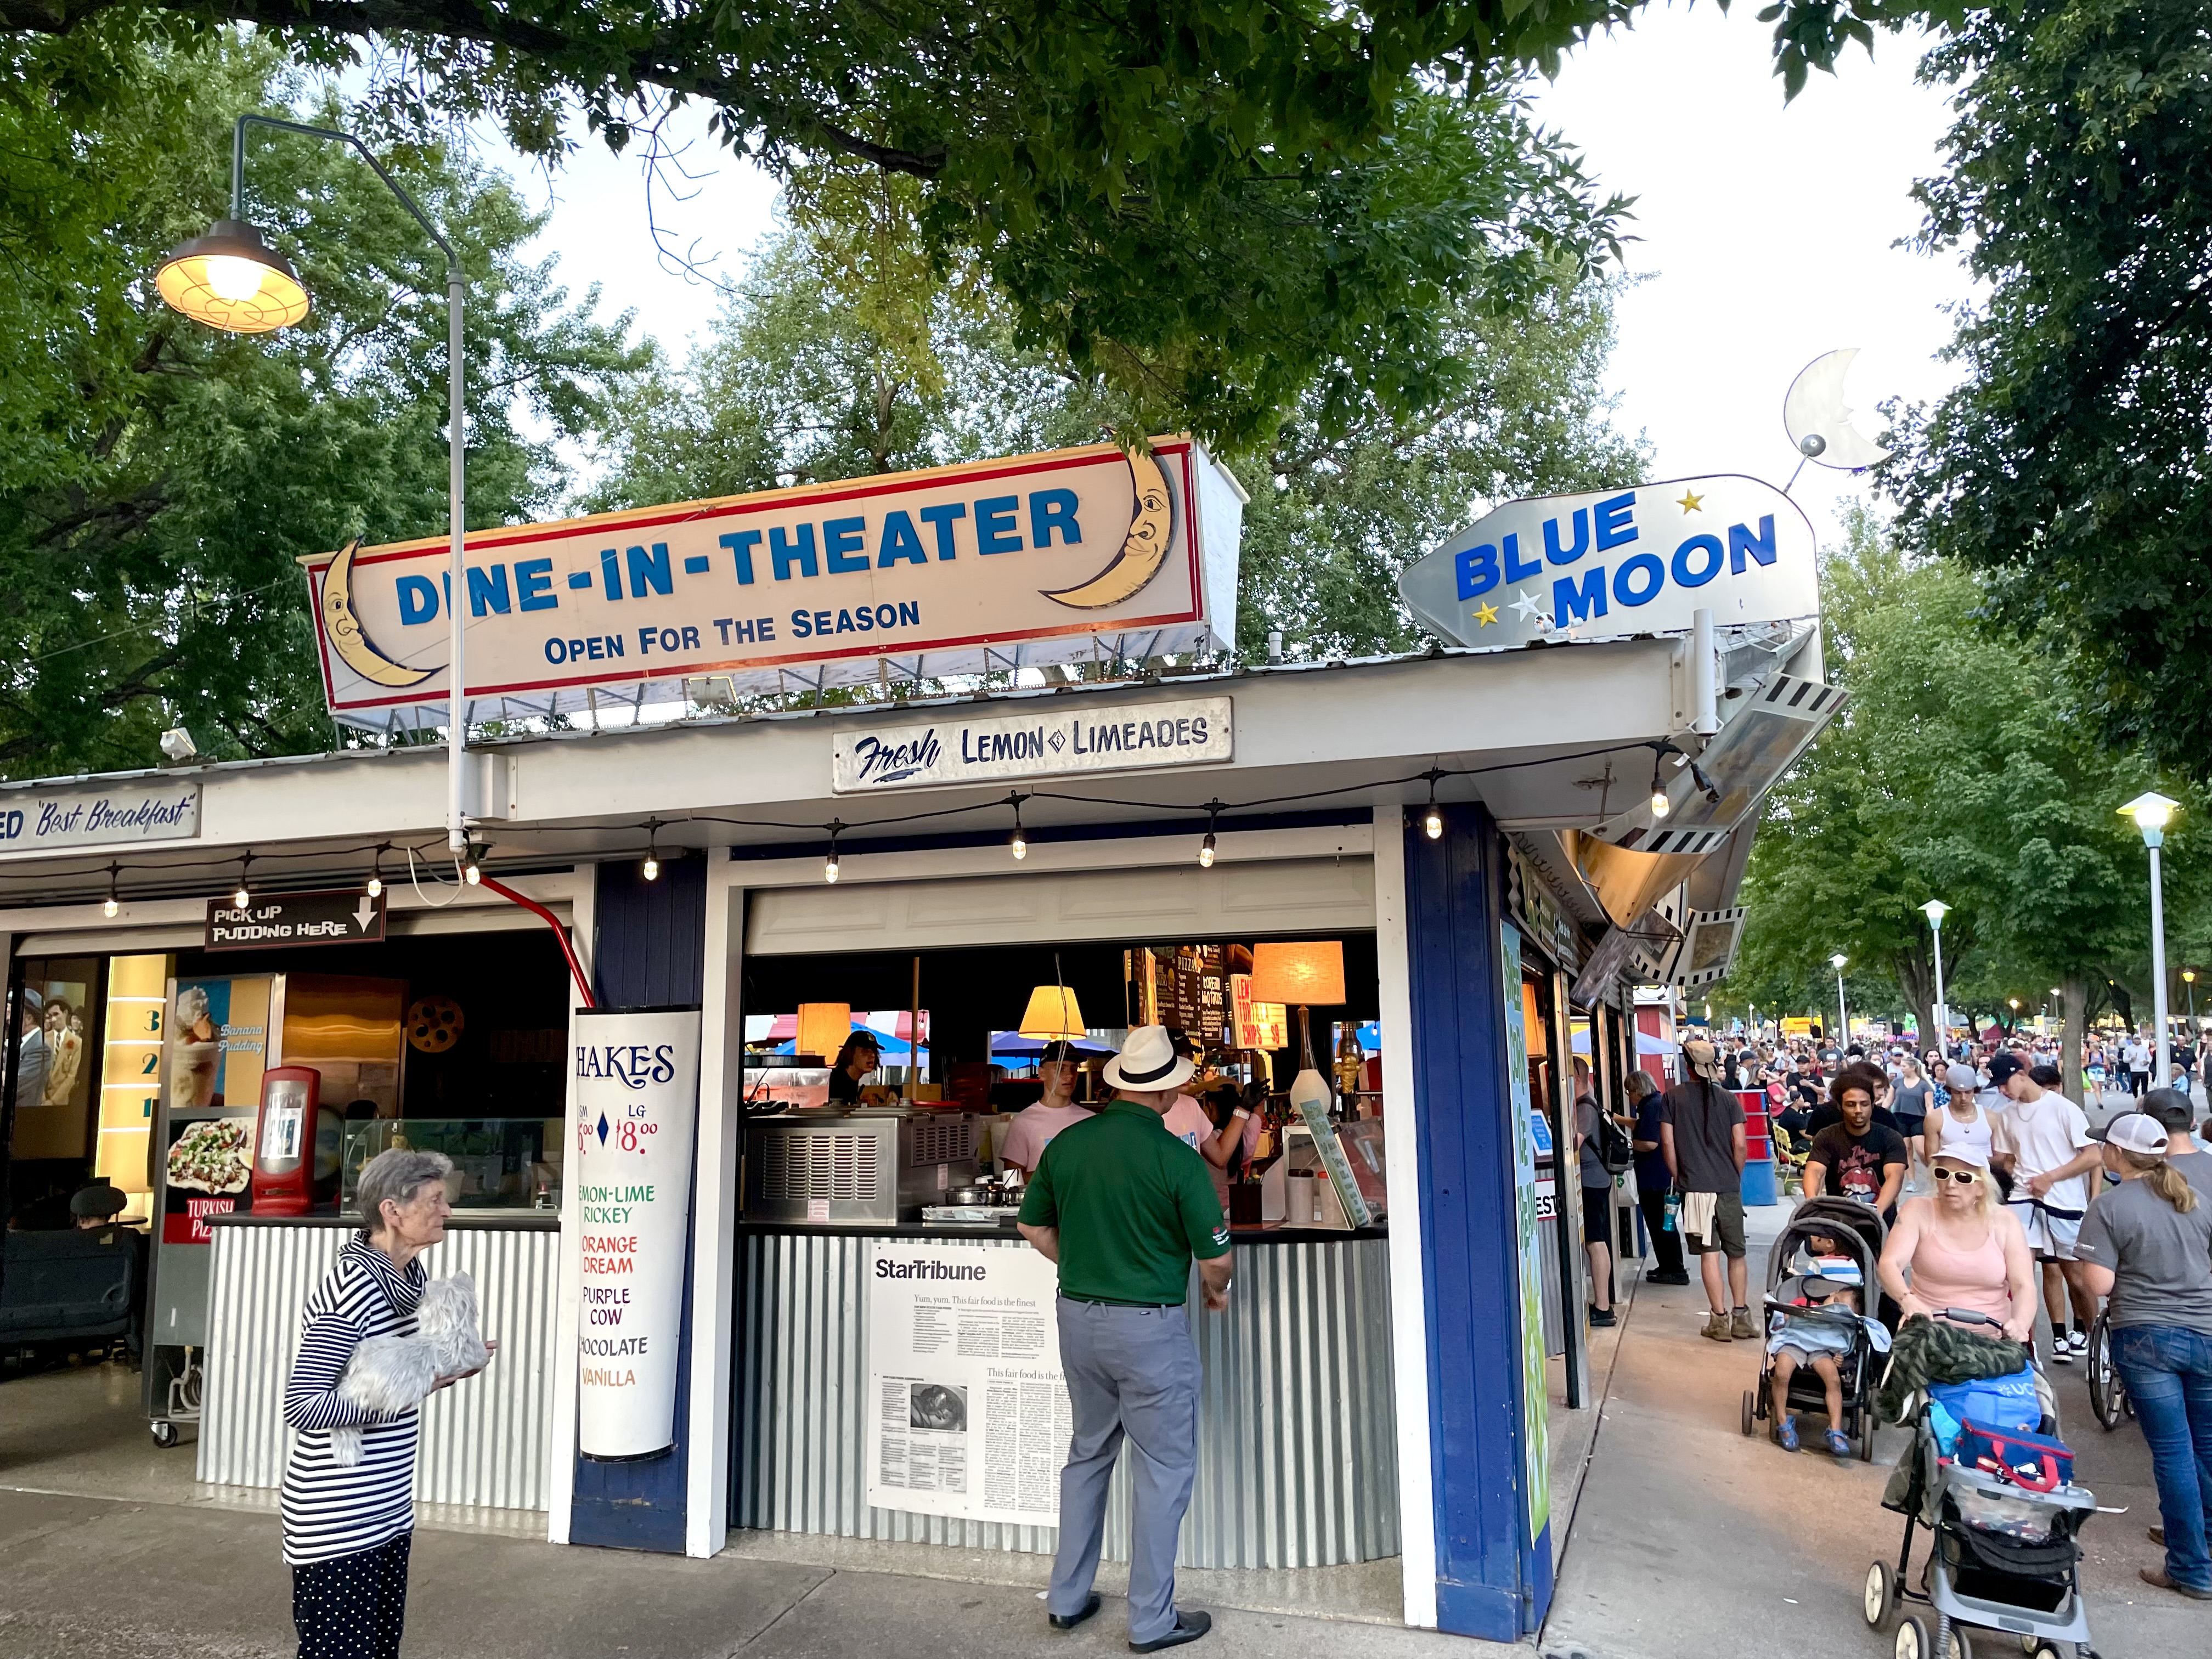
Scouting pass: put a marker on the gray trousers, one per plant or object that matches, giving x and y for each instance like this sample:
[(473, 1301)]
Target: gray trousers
[(1133, 1373)]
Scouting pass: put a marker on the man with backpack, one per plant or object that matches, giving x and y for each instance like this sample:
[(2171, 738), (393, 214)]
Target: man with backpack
[(1701, 1135)]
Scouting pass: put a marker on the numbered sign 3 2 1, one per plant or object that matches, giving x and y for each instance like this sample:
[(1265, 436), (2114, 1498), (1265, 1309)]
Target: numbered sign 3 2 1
[(637, 1098)]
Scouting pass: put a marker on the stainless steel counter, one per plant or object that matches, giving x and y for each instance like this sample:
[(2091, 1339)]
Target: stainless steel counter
[(1297, 1438), (484, 1443)]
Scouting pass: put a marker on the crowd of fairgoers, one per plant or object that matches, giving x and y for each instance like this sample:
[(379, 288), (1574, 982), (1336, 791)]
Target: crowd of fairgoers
[(2001, 1197)]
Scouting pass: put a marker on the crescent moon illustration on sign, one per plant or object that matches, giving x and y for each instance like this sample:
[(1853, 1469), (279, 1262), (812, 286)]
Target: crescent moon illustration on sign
[(343, 630), (1143, 550), (1814, 408)]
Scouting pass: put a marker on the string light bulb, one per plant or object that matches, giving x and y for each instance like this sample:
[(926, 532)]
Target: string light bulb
[(1021, 843), (243, 898), (113, 904), (1432, 821), (376, 871), (829, 864), (1659, 805), (1208, 847), (651, 869), (472, 873)]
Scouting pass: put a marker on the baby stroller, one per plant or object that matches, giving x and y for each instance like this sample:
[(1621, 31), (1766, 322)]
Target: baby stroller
[(1858, 1233), (2003, 1514)]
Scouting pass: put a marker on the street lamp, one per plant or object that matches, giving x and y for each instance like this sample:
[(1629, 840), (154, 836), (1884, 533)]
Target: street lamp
[(1935, 910), (231, 279), (1843, 1014), (2189, 979), (2151, 812)]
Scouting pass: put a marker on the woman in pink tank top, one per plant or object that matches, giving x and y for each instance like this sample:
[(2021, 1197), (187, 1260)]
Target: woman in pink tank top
[(1962, 1249)]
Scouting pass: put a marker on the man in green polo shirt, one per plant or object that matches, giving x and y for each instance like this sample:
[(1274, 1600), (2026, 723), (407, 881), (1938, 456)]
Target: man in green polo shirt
[(1124, 1207)]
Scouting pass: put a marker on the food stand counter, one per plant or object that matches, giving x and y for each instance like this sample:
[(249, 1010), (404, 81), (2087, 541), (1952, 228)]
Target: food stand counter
[(1297, 1438)]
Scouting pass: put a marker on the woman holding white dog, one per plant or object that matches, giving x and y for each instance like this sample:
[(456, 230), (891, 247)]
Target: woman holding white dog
[(349, 1516)]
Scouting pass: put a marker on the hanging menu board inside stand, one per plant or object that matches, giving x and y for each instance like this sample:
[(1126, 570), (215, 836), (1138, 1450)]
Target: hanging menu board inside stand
[(1182, 986)]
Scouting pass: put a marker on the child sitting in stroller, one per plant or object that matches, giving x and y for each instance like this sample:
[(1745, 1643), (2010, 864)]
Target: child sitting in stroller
[(1819, 1328)]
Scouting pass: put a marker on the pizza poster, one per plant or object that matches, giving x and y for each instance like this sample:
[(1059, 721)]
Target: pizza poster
[(967, 1408), (216, 1048)]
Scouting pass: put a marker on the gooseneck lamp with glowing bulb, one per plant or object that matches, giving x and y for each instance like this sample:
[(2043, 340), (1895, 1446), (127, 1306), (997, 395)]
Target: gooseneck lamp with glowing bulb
[(232, 279)]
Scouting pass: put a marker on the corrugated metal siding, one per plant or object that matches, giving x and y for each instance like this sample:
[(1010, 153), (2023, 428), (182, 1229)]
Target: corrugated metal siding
[(483, 1442), (1297, 1438)]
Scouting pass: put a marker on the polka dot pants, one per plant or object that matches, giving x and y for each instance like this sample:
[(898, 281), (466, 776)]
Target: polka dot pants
[(352, 1608)]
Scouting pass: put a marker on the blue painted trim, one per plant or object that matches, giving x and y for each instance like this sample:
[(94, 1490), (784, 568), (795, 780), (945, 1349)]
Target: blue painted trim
[(1491, 1581), (650, 952)]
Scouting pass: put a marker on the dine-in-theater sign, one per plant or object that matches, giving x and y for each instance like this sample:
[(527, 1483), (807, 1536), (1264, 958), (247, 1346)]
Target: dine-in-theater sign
[(1030, 560)]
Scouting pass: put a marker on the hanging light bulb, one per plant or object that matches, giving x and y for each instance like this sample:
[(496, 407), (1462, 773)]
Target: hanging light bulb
[(830, 864), (1206, 851), (1021, 843), (1432, 821), (1659, 805), (376, 872), (113, 903), (242, 897), (652, 868), (472, 872)]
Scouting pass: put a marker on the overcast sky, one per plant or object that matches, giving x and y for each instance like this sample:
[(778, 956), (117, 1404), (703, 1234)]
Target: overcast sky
[(1766, 234)]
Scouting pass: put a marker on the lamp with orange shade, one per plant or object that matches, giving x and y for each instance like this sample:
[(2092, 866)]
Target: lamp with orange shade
[(824, 1027), (1304, 972), (1052, 1014)]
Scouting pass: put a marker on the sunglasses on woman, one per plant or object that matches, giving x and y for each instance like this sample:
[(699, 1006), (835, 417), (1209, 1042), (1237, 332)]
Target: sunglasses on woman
[(1964, 1178)]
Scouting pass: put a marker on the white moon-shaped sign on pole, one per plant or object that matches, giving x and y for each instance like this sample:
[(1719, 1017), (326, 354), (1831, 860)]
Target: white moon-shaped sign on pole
[(1816, 408)]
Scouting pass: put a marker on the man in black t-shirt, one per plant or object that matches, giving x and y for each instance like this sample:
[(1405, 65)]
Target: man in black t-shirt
[(1856, 1158)]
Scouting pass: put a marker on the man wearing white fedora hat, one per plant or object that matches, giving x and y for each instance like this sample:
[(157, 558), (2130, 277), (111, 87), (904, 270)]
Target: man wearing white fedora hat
[(1124, 1207)]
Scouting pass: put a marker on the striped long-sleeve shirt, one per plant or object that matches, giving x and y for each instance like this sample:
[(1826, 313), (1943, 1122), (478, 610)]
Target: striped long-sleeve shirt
[(329, 1509)]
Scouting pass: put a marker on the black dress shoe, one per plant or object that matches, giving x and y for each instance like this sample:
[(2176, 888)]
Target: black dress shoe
[(1188, 1627), (1069, 1620)]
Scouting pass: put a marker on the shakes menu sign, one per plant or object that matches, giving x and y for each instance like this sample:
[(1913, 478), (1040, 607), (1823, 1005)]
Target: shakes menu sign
[(952, 570)]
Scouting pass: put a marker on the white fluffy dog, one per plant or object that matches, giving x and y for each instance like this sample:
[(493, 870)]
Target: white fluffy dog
[(393, 1374)]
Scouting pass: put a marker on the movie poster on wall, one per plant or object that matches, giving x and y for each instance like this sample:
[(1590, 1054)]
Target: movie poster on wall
[(967, 1407)]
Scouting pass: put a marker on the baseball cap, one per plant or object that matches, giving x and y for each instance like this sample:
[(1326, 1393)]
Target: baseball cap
[(2003, 1065), (1956, 1076), (2137, 1132)]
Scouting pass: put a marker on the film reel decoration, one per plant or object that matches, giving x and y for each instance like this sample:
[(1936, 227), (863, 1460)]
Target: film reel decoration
[(434, 1024)]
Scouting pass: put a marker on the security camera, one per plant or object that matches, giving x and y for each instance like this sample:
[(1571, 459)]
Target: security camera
[(177, 743)]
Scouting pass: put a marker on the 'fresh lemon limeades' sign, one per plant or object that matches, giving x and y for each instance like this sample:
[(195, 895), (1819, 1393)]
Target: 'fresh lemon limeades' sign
[(1612, 563), (1057, 557)]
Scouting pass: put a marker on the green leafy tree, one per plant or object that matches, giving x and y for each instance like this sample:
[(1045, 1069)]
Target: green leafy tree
[(1964, 771), (1214, 205), (846, 352), (158, 479), (2072, 467)]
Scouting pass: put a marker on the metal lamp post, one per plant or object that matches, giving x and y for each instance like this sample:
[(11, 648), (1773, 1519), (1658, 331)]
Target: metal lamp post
[(1935, 910), (2151, 812), (2189, 980), (1843, 1014), (231, 279)]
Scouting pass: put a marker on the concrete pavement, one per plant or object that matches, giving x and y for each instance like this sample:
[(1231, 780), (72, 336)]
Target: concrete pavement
[(1691, 1541)]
